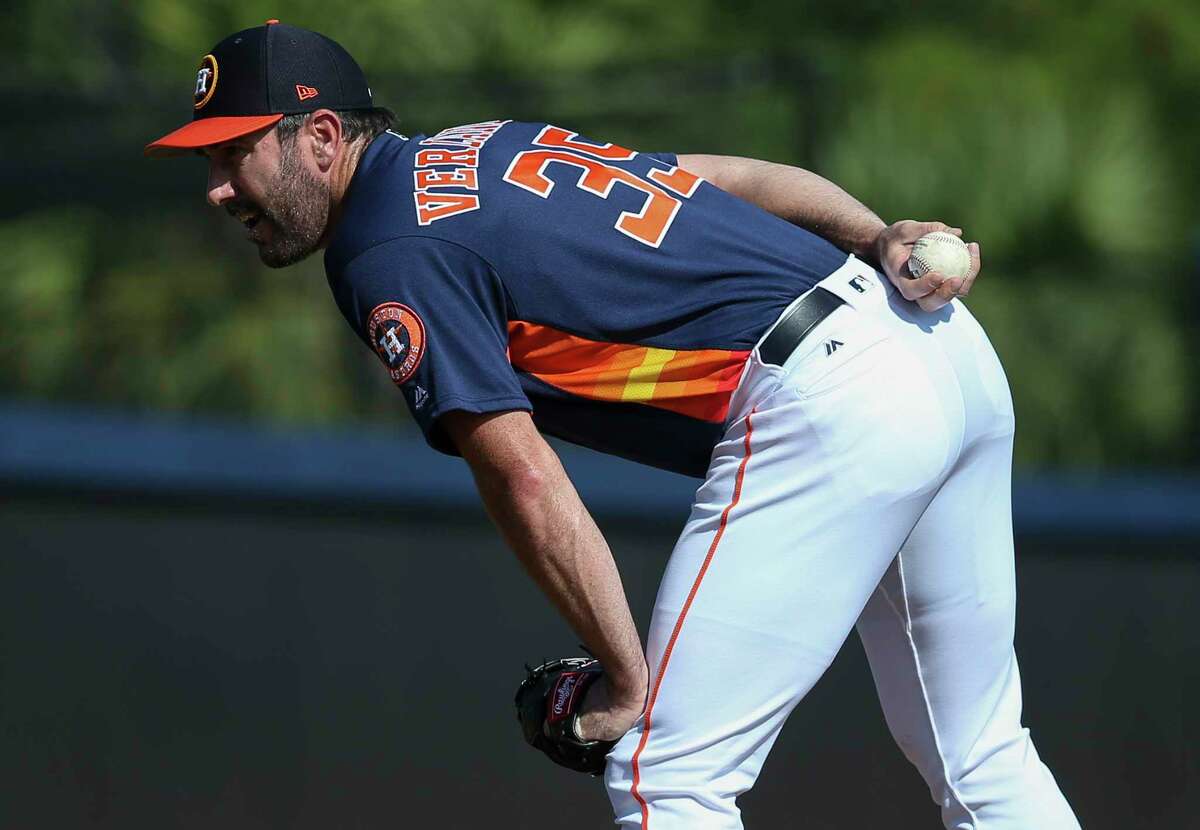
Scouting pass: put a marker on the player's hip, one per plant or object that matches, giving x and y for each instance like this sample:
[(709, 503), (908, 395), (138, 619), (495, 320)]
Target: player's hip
[(878, 356)]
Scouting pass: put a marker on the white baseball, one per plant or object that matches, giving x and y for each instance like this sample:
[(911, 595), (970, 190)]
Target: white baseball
[(942, 252)]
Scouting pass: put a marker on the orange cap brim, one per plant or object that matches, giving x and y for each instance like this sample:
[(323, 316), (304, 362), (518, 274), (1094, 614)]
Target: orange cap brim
[(208, 131)]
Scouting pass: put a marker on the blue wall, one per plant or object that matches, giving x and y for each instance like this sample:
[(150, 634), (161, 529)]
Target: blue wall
[(97, 451)]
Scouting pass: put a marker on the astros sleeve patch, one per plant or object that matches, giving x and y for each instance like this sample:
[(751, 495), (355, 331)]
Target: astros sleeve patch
[(434, 313), (398, 336)]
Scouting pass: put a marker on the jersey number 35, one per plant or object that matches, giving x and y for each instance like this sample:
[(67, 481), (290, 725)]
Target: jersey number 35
[(664, 189)]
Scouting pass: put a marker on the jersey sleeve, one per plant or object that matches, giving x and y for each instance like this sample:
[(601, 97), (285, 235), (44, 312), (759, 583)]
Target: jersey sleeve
[(435, 314), (666, 158)]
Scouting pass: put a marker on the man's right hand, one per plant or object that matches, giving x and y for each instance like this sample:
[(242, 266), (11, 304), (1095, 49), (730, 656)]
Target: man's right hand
[(892, 249)]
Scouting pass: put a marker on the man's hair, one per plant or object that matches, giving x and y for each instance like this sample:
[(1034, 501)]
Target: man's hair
[(355, 123)]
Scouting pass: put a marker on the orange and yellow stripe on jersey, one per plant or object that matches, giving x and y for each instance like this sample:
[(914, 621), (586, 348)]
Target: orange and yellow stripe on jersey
[(693, 382)]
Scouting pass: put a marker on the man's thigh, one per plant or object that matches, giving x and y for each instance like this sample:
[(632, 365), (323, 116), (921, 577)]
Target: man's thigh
[(809, 497), (939, 636)]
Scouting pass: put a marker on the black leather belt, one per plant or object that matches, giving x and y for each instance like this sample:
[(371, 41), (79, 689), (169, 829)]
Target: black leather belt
[(795, 326)]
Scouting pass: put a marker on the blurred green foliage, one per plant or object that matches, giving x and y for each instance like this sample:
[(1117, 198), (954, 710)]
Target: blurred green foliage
[(1061, 135)]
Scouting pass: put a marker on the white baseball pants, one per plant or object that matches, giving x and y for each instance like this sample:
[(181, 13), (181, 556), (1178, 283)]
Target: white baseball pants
[(864, 483)]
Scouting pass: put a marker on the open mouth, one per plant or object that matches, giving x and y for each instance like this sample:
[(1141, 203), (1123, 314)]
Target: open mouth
[(249, 218)]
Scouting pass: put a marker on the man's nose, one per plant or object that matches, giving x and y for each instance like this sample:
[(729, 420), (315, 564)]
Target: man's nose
[(220, 188)]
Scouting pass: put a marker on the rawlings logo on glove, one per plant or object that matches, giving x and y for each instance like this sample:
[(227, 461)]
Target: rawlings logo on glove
[(548, 702)]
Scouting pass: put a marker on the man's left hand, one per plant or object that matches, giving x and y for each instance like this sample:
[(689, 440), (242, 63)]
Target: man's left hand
[(606, 715), (567, 708)]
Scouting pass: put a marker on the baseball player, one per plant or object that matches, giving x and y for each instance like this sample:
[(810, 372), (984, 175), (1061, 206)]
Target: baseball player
[(743, 322)]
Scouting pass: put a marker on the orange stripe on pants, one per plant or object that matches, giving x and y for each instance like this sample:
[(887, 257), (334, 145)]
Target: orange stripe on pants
[(666, 658)]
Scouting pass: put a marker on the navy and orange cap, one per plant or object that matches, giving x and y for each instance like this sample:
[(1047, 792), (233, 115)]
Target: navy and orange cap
[(253, 78)]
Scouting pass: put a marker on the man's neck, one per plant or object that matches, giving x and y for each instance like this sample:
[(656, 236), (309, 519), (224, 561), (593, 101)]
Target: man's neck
[(344, 169)]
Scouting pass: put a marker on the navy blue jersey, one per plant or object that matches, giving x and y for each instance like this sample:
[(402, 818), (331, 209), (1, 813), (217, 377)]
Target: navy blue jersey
[(508, 265)]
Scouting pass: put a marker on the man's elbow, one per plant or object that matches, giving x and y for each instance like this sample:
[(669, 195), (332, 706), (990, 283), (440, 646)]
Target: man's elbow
[(513, 465), (730, 173), (526, 485)]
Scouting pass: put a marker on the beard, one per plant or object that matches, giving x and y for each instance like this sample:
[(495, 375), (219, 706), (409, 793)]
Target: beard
[(295, 212)]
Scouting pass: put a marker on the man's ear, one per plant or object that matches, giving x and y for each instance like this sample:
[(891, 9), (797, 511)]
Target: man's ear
[(324, 129)]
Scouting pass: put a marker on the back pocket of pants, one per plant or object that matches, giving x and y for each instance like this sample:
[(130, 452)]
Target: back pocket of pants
[(837, 350)]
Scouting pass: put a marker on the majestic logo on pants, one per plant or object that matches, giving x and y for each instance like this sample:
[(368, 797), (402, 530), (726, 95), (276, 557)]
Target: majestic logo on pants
[(398, 337)]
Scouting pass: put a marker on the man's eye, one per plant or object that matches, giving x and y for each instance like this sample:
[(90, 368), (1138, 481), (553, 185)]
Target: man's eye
[(226, 154)]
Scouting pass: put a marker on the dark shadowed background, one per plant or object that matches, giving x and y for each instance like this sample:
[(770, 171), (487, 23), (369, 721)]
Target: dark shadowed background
[(235, 592)]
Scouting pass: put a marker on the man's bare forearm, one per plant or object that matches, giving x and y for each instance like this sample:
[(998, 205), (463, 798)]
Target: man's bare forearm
[(537, 510), (797, 195)]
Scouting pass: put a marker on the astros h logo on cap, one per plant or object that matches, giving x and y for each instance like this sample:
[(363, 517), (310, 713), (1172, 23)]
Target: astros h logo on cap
[(206, 81), (256, 76)]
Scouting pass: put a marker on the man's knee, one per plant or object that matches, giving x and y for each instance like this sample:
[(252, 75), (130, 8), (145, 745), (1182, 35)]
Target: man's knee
[(677, 807), (1002, 783), (668, 796)]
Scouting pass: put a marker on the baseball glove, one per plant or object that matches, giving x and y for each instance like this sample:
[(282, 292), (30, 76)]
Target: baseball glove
[(548, 702)]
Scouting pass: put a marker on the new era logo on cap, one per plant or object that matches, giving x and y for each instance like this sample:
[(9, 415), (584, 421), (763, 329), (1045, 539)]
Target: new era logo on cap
[(305, 92)]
